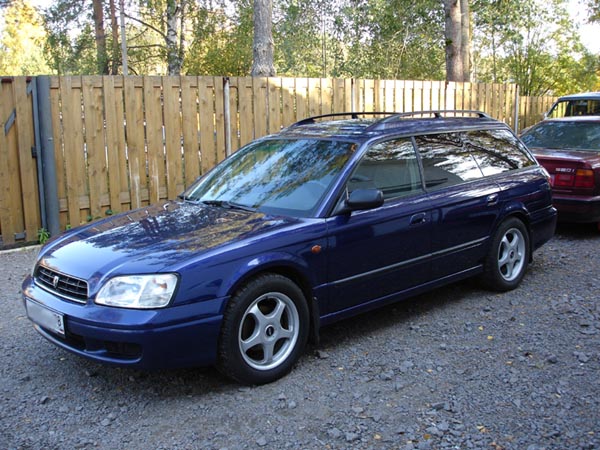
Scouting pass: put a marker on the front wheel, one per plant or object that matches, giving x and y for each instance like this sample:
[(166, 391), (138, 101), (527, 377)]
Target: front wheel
[(265, 329), (508, 257)]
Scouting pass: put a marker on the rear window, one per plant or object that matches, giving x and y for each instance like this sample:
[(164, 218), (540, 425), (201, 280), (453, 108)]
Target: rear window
[(459, 157), (497, 151)]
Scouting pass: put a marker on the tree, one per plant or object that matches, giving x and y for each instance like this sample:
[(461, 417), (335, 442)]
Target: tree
[(263, 47), (221, 40), (594, 6), (22, 41), (534, 45), (397, 39), (100, 38), (457, 40)]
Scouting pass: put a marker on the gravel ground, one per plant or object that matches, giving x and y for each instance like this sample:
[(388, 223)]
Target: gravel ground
[(458, 368)]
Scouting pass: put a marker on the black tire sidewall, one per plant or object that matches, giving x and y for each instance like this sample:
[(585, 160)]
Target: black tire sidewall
[(230, 360)]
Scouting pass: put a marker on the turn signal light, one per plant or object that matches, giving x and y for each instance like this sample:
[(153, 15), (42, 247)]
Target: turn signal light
[(584, 178)]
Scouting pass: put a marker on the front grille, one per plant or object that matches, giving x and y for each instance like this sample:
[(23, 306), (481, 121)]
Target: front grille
[(61, 284)]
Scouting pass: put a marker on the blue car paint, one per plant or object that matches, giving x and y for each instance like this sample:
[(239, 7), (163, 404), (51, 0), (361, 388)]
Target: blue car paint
[(442, 236)]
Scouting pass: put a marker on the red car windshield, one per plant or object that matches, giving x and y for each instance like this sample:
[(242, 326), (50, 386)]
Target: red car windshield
[(564, 135)]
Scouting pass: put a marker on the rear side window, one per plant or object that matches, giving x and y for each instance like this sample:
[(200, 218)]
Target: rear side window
[(496, 151), (390, 166), (446, 161)]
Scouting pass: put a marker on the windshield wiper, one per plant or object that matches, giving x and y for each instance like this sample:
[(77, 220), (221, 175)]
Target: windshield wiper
[(228, 204)]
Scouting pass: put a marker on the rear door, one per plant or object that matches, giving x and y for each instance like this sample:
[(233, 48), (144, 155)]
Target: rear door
[(465, 203), (378, 253)]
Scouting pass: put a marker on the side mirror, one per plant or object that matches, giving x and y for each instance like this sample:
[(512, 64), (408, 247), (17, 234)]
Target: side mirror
[(361, 199)]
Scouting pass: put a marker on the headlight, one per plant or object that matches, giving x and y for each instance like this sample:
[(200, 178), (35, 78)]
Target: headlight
[(138, 291)]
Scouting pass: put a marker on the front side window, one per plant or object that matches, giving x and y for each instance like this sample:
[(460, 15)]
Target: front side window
[(278, 176), (389, 166), (496, 151), (445, 160)]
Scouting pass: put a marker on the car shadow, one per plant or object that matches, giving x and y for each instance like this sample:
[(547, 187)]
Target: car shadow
[(577, 231)]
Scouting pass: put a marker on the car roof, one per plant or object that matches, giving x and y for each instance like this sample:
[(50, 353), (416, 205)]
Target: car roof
[(595, 119), (581, 96), (361, 126)]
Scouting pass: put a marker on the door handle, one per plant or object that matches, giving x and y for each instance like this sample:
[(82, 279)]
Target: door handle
[(492, 199), (416, 219)]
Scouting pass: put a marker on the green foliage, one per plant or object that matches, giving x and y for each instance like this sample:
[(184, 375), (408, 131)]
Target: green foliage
[(222, 43), (533, 44), (43, 235), (529, 42), (594, 9), (22, 38)]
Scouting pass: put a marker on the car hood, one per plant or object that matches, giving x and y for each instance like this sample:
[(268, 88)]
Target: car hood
[(153, 239), (547, 154)]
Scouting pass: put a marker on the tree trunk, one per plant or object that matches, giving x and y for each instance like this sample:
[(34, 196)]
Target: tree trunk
[(263, 47), (115, 38), (101, 55), (174, 62), (454, 63), (465, 39)]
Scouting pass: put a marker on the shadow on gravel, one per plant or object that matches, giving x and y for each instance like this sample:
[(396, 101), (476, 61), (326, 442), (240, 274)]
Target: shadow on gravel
[(578, 231), (404, 312)]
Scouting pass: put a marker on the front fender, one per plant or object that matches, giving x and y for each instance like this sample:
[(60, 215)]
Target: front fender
[(280, 262)]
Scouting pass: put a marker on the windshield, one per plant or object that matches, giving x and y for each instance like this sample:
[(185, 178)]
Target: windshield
[(279, 176), (564, 135)]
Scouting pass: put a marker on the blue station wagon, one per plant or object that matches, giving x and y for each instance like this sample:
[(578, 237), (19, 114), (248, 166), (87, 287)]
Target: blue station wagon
[(331, 217)]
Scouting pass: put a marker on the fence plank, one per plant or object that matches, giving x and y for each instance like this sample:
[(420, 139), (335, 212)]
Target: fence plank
[(55, 111), (113, 104), (260, 97), (155, 145), (27, 164), (172, 117), (134, 118), (208, 153), (301, 98), (314, 96), (245, 117), (9, 199), (189, 114), (73, 148), (288, 93), (326, 96), (274, 93), (93, 112), (219, 118)]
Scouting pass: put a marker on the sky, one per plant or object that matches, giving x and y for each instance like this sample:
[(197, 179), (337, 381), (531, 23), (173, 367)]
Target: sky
[(590, 34)]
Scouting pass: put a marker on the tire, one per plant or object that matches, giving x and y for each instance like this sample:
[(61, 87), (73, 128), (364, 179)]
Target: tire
[(508, 257), (264, 331)]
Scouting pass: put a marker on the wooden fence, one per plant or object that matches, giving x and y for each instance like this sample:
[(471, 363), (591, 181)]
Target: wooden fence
[(124, 142)]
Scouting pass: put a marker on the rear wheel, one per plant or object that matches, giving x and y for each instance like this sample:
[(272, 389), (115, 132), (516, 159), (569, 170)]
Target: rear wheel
[(264, 330), (508, 256)]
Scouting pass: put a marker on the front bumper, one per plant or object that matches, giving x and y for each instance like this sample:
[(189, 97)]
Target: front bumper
[(176, 336), (577, 208)]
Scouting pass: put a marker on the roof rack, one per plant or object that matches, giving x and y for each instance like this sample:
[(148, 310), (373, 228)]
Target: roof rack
[(352, 115), (393, 116), (438, 114)]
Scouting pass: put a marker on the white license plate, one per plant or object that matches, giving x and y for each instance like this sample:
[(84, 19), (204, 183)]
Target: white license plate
[(45, 317)]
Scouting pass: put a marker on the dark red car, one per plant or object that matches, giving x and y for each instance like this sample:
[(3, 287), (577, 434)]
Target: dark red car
[(569, 149)]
